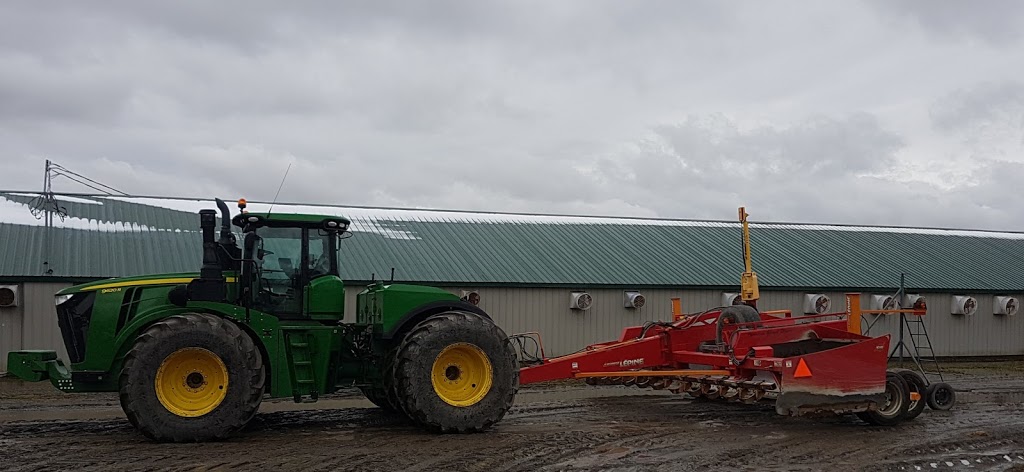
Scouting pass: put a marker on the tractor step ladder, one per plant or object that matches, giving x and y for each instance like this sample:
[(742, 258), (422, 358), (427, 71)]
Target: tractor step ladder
[(299, 350)]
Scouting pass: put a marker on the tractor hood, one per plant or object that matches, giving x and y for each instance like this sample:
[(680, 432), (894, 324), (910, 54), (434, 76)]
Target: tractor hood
[(153, 279)]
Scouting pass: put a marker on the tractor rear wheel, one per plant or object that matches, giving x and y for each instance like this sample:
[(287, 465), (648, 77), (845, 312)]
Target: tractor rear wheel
[(456, 372), (390, 389), (897, 402), (378, 396), (192, 377)]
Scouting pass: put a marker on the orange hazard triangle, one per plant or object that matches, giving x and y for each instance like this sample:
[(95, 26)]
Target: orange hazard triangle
[(802, 370)]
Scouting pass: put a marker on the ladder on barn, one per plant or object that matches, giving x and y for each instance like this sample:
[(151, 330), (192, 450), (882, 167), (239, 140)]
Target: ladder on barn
[(919, 350)]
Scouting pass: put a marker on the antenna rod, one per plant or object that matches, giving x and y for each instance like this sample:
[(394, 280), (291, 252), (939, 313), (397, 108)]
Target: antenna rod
[(279, 188)]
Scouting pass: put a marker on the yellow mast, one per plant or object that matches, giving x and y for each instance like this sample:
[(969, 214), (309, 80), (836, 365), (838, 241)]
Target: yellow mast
[(748, 282)]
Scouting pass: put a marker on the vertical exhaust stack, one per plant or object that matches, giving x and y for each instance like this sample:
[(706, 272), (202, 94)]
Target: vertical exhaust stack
[(225, 222), (211, 265), (210, 286), (229, 253)]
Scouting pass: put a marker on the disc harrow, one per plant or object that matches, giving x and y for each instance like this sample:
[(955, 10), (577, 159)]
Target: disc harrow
[(707, 387)]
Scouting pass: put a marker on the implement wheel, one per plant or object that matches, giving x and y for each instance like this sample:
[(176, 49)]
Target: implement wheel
[(191, 377), (918, 388), (456, 372), (941, 396), (897, 402), (735, 314)]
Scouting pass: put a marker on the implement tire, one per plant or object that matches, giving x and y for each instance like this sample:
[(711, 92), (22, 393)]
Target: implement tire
[(736, 314), (456, 372), (192, 377), (941, 396), (916, 384), (895, 407)]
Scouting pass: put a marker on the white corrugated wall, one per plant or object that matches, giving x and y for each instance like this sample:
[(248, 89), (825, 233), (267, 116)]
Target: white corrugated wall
[(33, 324)]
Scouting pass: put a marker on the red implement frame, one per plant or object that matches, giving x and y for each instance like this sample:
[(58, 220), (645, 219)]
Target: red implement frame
[(813, 363)]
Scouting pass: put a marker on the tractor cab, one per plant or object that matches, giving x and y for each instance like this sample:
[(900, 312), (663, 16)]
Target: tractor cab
[(289, 264)]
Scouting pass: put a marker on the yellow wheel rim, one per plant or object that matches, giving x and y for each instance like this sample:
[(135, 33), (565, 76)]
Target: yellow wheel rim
[(461, 374), (191, 382)]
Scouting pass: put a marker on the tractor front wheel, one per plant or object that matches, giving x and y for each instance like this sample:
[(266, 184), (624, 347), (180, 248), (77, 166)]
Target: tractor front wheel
[(456, 372), (191, 377)]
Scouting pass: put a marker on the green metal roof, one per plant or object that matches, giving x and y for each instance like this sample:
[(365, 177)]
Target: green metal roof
[(122, 236)]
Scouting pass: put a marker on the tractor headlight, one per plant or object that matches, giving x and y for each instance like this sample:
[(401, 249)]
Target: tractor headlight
[(59, 299)]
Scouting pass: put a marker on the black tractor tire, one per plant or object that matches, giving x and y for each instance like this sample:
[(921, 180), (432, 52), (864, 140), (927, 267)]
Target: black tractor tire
[(203, 335), (390, 389), (941, 396), (378, 396), (736, 314), (467, 338), (895, 407), (917, 384)]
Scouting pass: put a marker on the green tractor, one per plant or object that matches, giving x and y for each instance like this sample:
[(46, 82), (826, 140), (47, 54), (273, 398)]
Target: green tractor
[(193, 355)]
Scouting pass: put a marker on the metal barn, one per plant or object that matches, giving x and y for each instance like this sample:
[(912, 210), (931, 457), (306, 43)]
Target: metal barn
[(528, 270)]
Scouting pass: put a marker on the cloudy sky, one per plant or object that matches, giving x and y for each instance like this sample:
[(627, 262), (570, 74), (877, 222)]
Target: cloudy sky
[(877, 112)]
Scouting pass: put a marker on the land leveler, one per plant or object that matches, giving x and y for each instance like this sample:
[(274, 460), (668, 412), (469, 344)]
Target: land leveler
[(810, 365)]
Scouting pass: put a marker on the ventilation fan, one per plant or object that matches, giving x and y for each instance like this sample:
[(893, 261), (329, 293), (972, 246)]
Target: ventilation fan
[(633, 300), (8, 296), (816, 303), (729, 299), (471, 297), (1005, 306), (964, 305), (580, 301), (915, 302), (883, 302)]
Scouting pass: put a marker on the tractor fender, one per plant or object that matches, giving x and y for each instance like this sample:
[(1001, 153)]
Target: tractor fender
[(124, 340), (417, 314)]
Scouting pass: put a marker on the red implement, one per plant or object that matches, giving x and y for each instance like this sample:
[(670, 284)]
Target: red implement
[(810, 365)]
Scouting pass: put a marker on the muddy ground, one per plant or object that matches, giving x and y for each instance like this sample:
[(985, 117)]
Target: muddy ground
[(565, 426)]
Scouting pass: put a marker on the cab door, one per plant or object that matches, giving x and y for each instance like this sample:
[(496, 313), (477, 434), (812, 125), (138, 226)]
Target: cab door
[(325, 293), (279, 260)]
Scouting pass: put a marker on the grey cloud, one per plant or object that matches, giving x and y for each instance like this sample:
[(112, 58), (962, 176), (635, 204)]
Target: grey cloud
[(996, 21), (815, 147), (816, 171), (674, 109), (31, 90), (983, 103)]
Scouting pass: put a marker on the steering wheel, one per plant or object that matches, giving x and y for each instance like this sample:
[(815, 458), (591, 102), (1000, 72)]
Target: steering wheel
[(321, 266)]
